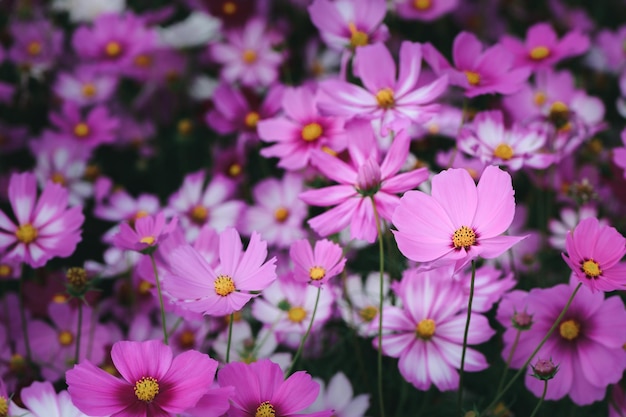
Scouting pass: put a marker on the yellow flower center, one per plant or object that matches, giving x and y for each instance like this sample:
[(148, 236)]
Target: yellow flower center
[(384, 98), (249, 56), (357, 37), (569, 329), (558, 108), (145, 287), (368, 313), (229, 8), (148, 240), (137, 216), (187, 339), (34, 48), (81, 130), (26, 233), (422, 4), (199, 214), (58, 178), (113, 49), (281, 214), (17, 363), (503, 151), (89, 90), (4, 407), (311, 132), (66, 338), (265, 410), (184, 127), (234, 170), (59, 298), (540, 98), (5, 271), (472, 77), (591, 268), (146, 389), (224, 285), (463, 237), (296, 314), (425, 329), (539, 52), (316, 273), (143, 61), (329, 151), (252, 119)]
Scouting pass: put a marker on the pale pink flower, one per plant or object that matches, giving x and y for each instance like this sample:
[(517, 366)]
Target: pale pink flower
[(361, 302), (316, 265), (41, 400), (85, 86), (145, 235), (339, 397), (424, 10)]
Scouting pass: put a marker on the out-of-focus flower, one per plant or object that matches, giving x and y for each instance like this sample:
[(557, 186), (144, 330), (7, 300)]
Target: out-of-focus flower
[(361, 302), (316, 265), (41, 400), (88, 10), (85, 86), (145, 235), (424, 10), (338, 396), (37, 44), (91, 130), (198, 29)]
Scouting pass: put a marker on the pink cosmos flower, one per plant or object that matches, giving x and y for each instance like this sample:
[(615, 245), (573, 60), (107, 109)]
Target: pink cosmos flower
[(230, 285), (146, 234), (585, 344), (301, 131), (559, 229), (361, 301), (488, 139), (478, 72), (262, 390), (459, 221), (395, 101), (611, 46), (427, 332), (278, 213), (424, 10), (36, 44), (360, 182), (93, 129), (316, 266), (41, 400), (594, 252), (248, 55), (153, 384), (543, 49), (85, 87), (45, 227), (338, 396), (348, 24)]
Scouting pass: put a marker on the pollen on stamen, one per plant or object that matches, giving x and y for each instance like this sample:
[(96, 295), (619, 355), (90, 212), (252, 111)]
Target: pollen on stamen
[(26, 233), (224, 285), (503, 151), (34, 48), (357, 37), (234, 170), (281, 214), (81, 130), (422, 5), (368, 313), (4, 407), (5, 271), (113, 49), (464, 237), (296, 314), (311, 132), (569, 329), (317, 273), (473, 78), (539, 52), (265, 409), (65, 338), (591, 268), (146, 389), (249, 56), (148, 240), (251, 119), (385, 98), (199, 214), (58, 178), (425, 329), (229, 8), (540, 98)]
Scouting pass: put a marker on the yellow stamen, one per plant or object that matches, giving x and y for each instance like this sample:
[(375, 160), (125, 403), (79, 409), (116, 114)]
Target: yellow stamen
[(58, 178), (81, 130), (252, 119), (5, 271), (199, 214), (296, 314), (422, 4), (503, 151), (425, 329), (539, 52), (224, 285), (357, 37), (229, 8), (316, 273), (145, 287), (59, 298), (281, 214), (473, 78), (148, 240), (143, 61), (146, 389), (311, 132), (249, 56), (591, 268), (265, 409), (26, 233), (368, 313), (540, 98), (185, 127), (385, 99), (569, 329), (17, 363), (329, 151), (187, 339), (4, 407), (464, 237), (66, 338), (89, 90), (113, 49), (234, 170), (34, 48), (558, 107)]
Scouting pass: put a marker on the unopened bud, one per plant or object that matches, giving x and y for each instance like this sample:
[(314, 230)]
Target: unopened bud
[(522, 320), (544, 369)]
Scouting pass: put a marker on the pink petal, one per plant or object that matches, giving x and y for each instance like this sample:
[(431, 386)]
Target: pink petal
[(456, 192), (496, 204), (135, 360)]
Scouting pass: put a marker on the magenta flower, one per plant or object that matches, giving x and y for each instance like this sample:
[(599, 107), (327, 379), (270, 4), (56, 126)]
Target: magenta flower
[(261, 390), (85, 86), (364, 179), (585, 344), (395, 101), (146, 234), (153, 384), (348, 24), (477, 71), (424, 10), (427, 332), (459, 221), (543, 49), (594, 252), (94, 128), (45, 227), (318, 265), (36, 44), (227, 287)]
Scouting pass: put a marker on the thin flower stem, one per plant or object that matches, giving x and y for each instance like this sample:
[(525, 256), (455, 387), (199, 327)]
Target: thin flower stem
[(230, 335), (158, 284), (508, 360), (306, 335), (465, 335), (23, 318), (381, 257), (78, 330), (532, 355), (543, 395)]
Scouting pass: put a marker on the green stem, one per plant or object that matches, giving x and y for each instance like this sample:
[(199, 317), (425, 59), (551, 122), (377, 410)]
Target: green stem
[(381, 257), (306, 335), (230, 335), (158, 284), (532, 355), (543, 395), (78, 330), (23, 318), (465, 335), (508, 361)]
